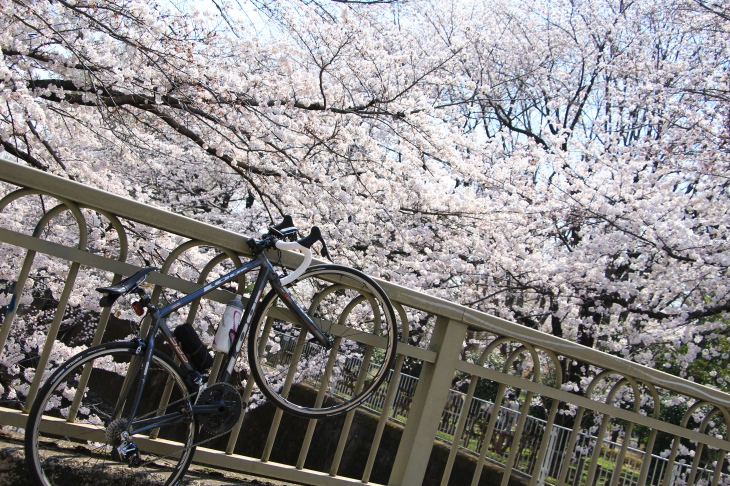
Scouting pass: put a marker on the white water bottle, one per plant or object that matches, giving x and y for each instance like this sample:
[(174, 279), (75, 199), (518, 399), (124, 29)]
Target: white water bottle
[(229, 323)]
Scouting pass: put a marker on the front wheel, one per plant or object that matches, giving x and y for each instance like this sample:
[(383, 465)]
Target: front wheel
[(77, 422), (301, 376)]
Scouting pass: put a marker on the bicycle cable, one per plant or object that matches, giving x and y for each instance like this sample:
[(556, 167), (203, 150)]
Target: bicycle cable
[(278, 263)]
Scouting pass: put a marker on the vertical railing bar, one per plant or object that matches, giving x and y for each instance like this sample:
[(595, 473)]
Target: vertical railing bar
[(620, 458), (645, 465), (637, 459), (570, 446), (695, 463), (597, 449), (718, 468), (321, 394), (233, 439), (52, 335), (364, 371), (299, 348), (216, 367), (656, 473), (273, 430), (351, 414), (84, 378), (542, 452), (304, 450), (459, 430), (623, 477), (393, 388), (618, 463), (17, 294), (516, 438), (496, 411), (530, 426), (105, 314), (670, 462), (164, 402), (561, 440)]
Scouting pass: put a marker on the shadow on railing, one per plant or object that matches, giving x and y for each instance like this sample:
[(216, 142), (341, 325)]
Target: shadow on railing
[(62, 239)]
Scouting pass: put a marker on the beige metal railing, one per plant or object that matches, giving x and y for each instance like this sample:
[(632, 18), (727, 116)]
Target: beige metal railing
[(611, 433)]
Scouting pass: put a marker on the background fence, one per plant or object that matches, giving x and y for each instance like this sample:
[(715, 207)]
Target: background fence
[(419, 431), (479, 413)]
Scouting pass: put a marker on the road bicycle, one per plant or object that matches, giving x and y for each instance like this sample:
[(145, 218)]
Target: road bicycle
[(321, 340)]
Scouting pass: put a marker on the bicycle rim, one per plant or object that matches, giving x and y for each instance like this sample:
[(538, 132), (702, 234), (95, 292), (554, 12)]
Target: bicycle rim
[(301, 376), (72, 428)]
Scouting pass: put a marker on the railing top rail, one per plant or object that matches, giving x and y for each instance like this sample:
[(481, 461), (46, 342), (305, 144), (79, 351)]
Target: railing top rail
[(124, 207), (24, 176)]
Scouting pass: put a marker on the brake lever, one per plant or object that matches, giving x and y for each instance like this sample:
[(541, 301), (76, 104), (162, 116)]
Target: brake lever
[(316, 236), (283, 231), (288, 222)]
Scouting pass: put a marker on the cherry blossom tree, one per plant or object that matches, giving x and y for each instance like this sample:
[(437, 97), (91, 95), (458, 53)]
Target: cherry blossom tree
[(562, 164), (612, 212)]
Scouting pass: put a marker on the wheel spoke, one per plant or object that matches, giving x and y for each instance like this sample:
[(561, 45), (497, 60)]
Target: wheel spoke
[(90, 436), (298, 373)]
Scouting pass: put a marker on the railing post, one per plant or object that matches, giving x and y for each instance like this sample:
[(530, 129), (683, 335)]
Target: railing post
[(428, 404)]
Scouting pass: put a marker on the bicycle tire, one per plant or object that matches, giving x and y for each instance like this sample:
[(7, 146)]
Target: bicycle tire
[(64, 448), (292, 371)]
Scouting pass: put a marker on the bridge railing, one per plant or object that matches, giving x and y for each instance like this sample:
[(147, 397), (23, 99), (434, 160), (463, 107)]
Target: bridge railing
[(72, 237)]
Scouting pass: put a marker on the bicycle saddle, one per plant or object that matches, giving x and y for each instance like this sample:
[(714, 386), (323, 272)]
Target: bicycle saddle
[(113, 292)]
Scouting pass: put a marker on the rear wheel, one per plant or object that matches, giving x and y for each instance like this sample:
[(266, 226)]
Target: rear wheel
[(301, 376), (75, 434)]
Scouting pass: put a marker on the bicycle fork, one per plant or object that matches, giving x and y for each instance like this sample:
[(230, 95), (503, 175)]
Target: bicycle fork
[(303, 317)]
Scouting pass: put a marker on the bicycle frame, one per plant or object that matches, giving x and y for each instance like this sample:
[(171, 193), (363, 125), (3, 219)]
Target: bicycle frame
[(131, 393), (267, 274)]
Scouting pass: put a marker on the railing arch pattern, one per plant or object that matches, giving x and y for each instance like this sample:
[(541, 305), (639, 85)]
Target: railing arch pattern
[(444, 435)]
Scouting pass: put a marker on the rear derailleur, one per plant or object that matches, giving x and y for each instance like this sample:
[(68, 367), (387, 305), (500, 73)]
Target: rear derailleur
[(123, 449)]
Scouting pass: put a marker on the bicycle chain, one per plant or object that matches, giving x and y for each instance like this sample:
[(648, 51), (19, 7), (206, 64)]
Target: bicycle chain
[(186, 448), (187, 397)]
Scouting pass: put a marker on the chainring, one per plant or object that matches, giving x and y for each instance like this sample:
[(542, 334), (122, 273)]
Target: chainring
[(229, 411)]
